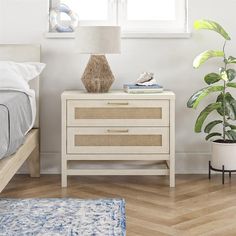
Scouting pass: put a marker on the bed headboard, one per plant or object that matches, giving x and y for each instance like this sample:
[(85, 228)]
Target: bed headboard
[(23, 53)]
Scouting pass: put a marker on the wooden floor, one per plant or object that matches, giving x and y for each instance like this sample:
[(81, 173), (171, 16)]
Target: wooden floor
[(196, 207)]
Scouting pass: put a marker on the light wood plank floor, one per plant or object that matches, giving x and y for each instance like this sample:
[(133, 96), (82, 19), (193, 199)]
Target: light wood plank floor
[(196, 207)]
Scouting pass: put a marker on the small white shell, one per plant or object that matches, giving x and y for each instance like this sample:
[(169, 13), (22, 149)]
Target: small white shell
[(146, 78)]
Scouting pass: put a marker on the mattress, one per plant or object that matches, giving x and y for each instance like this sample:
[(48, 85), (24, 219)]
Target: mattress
[(15, 121)]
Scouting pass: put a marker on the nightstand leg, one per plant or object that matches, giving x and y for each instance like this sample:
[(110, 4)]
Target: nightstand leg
[(64, 174), (172, 144), (172, 176), (63, 180), (63, 143)]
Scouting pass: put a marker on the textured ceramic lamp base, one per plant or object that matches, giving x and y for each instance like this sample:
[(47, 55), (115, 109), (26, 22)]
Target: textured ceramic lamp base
[(97, 77)]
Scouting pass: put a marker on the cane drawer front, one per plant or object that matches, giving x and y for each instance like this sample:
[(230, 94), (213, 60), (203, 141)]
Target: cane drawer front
[(118, 140), (118, 113)]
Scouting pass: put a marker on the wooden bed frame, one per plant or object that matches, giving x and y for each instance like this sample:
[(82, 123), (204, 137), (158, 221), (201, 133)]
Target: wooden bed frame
[(30, 149)]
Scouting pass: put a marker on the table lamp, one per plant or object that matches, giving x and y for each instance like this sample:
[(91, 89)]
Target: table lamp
[(98, 41)]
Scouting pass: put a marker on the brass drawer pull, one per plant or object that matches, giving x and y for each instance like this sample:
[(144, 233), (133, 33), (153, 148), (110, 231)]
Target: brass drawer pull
[(118, 103), (117, 131)]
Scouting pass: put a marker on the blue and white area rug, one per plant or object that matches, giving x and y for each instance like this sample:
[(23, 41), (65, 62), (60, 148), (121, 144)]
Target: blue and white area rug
[(44, 217)]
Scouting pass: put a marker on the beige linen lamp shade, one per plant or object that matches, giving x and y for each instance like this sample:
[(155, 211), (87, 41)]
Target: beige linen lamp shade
[(97, 41)]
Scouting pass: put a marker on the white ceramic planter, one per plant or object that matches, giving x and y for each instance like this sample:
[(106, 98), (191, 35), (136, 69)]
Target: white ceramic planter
[(223, 154)]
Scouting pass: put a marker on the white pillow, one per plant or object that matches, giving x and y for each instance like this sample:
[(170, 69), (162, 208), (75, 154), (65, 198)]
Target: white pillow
[(16, 76)]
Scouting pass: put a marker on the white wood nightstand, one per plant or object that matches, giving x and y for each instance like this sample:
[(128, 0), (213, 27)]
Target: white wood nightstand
[(117, 126)]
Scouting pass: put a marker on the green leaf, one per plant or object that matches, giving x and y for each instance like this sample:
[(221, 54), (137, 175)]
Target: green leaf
[(229, 100), (231, 134), (204, 114), (231, 126), (227, 75), (231, 85), (223, 74), (231, 113), (228, 135), (221, 69), (231, 60), (203, 57), (211, 25), (211, 125), (231, 108), (231, 74), (212, 78), (196, 98), (220, 99), (212, 135)]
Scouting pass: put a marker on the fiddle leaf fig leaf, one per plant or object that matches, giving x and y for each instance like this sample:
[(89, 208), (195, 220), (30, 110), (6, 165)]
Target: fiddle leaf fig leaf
[(223, 74), (221, 69), (230, 106), (231, 126), (220, 99), (230, 109), (229, 97), (231, 134), (203, 57), (212, 135), (231, 74), (204, 114), (212, 78), (197, 97), (211, 125), (228, 135), (231, 85), (231, 60), (211, 25)]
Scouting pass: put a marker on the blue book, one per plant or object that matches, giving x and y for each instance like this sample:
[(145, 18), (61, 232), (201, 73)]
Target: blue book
[(134, 88)]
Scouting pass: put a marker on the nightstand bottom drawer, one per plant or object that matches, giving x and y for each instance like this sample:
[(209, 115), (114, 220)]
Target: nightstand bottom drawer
[(117, 140)]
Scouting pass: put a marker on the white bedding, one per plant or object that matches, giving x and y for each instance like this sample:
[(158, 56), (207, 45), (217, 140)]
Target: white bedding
[(16, 76)]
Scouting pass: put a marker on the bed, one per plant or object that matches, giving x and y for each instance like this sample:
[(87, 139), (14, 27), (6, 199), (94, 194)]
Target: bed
[(29, 151)]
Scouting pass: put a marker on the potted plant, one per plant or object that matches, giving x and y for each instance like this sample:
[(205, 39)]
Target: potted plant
[(221, 131)]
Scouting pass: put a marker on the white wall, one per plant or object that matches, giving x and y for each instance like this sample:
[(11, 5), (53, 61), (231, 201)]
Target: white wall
[(25, 21)]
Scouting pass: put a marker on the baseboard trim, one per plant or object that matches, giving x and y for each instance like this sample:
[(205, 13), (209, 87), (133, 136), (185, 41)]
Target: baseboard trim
[(186, 163), (192, 163)]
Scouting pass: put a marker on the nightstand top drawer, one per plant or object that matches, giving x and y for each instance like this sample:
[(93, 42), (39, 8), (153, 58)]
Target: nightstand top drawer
[(117, 112), (116, 94)]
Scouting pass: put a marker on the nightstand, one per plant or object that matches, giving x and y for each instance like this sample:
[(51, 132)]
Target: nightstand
[(118, 127)]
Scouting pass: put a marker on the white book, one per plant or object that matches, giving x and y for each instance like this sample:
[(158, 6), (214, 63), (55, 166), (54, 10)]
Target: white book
[(143, 89)]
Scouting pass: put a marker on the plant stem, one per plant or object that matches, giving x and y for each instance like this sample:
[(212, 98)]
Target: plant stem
[(224, 118), (224, 49), (224, 92)]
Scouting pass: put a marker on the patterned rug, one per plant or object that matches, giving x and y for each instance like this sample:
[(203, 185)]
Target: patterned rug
[(42, 217)]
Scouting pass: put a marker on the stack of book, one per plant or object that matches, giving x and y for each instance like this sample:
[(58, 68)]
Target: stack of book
[(134, 88)]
